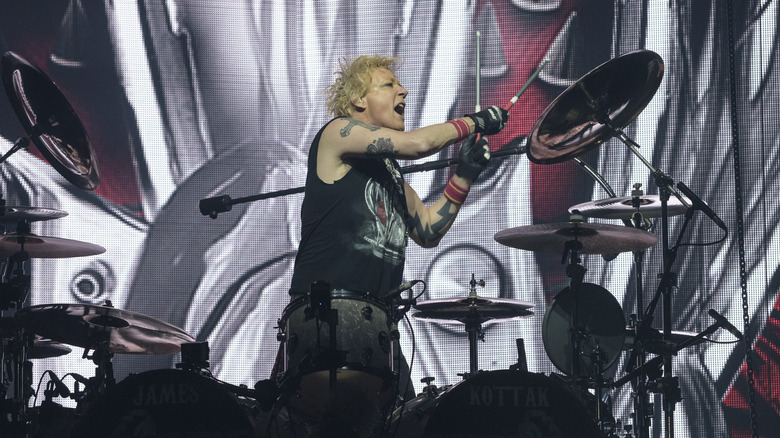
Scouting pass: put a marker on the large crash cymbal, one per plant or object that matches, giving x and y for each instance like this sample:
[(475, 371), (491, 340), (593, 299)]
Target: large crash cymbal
[(50, 121), (623, 207), (576, 121), (595, 238), (93, 327), (476, 310), (45, 247)]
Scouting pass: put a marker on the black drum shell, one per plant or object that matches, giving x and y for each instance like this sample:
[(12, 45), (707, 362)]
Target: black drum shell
[(504, 403), (169, 403)]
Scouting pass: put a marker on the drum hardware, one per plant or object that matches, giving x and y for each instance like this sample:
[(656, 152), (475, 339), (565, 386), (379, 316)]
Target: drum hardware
[(592, 111), (472, 311), (522, 361), (194, 356)]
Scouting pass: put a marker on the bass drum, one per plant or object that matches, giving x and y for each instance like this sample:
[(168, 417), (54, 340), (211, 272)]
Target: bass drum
[(169, 403), (497, 404)]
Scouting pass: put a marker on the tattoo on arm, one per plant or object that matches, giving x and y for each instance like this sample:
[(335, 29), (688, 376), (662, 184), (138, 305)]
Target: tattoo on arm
[(382, 147), (430, 233), (352, 123)]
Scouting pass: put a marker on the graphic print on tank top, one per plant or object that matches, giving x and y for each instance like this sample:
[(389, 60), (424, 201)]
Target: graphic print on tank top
[(385, 237)]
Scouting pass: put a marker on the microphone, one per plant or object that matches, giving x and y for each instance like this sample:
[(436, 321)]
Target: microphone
[(725, 324), (397, 291), (701, 206), (213, 206), (62, 388)]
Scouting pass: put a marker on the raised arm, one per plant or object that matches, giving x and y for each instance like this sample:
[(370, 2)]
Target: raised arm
[(430, 224), (349, 137)]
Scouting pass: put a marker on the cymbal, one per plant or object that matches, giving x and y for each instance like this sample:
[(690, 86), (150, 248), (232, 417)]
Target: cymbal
[(595, 238), (472, 310), (50, 121), (16, 213), (622, 207), (46, 247), (89, 327), (46, 348), (615, 92), (600, 321)]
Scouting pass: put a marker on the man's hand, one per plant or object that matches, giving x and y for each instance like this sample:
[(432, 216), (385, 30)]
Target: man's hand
[(489, 121), (474, 157)]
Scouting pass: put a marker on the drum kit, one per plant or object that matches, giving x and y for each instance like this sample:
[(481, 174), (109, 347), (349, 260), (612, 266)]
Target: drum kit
[(349, 372)]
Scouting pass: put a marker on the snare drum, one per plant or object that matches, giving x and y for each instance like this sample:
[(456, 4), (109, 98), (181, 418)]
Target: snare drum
[(170, 403), (496, 404), (362, 357)]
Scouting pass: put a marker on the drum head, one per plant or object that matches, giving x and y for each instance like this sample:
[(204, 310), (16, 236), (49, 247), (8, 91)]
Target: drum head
[(168, 403), (601, 323), (498, 404)]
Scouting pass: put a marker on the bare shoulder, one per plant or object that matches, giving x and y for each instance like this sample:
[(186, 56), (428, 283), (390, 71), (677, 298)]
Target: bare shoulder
[(344, 127), (351, 137)]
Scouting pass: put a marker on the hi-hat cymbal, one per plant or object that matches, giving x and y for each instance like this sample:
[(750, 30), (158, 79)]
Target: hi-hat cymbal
[(466, 310), (43, 247), (50, 121), (89, 327), (17, 213), (623, 207), (615, 92), (595, 238)]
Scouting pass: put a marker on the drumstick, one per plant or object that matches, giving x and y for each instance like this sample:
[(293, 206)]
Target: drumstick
[(527, 83), (478, 77)]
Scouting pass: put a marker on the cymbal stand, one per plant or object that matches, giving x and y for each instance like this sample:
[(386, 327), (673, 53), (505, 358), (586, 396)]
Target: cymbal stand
[(474, 327), (638, 357), (104, 370), (576, 273), (668, 385)]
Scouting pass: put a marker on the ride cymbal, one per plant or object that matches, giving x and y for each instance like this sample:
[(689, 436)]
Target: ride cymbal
[(93, 327), (613, 93), (595, 238)]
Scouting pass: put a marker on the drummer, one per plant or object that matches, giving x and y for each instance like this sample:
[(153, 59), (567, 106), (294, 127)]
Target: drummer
[(358, 211)]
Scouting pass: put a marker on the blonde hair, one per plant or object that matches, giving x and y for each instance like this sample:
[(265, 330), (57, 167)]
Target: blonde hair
[(353, 79)]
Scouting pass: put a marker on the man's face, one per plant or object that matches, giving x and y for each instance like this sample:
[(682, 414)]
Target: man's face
[(384, 101)]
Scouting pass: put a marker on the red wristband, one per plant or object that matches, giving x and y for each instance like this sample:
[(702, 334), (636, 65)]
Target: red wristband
[(455, 193), (462, 127)]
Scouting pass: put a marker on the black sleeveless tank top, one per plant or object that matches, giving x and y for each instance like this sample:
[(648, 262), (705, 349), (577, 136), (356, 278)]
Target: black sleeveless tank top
[(353, 232)]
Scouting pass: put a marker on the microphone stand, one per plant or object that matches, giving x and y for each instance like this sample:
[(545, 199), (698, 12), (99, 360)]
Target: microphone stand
[(219, 204)]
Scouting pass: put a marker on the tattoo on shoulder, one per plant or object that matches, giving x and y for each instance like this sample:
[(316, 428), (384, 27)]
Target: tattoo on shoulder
[(382, 147), (352, 123)]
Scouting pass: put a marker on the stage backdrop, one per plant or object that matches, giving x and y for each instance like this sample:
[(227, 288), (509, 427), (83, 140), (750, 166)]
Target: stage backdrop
[(185, 100)]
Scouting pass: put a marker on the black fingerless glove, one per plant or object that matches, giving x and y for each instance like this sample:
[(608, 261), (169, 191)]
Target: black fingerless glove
[(489, 121), (473, 158)]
